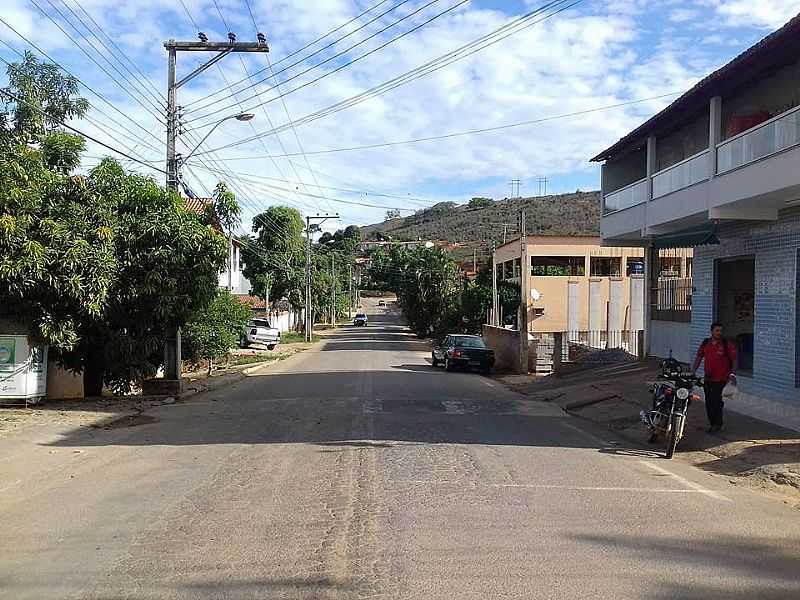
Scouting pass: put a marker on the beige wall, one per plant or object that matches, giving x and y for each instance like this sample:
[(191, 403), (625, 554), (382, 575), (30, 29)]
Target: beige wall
[(62, 384), (554, 290)]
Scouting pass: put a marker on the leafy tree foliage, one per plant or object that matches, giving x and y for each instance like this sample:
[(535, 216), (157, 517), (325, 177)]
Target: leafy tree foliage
[(211, 333), (48, 98), (427, 283), (101, 266), (393, 214), (274, 257), (480, 202)]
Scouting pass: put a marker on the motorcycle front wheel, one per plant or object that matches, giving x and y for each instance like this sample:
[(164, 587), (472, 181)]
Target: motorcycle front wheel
[(674, 436)]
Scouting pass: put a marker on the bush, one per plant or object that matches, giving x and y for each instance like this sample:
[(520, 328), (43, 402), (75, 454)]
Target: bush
[(210, 335)]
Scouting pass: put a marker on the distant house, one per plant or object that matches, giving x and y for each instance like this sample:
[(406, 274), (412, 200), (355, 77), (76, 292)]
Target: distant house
[(576, 284), (230, 279)]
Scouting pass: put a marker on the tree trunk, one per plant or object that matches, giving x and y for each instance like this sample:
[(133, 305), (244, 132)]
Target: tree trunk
[(94, 371)]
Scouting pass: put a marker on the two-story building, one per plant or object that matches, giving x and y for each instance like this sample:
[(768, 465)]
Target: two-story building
[(718, 170)]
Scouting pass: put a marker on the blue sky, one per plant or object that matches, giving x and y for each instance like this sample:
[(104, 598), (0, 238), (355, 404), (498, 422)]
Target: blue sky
[(594, 55)]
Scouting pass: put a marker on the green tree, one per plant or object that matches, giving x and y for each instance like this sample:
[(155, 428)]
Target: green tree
[(211, 333), (480, 202), (274, 257), (47, 98), (167, 266)]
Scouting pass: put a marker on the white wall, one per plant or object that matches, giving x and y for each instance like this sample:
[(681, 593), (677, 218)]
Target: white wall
[(666, 335)]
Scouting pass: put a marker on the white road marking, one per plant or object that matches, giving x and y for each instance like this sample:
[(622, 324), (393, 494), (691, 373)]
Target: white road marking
[(682, 480), (454, 407), (374, 405), (546, 486), (487, 382)]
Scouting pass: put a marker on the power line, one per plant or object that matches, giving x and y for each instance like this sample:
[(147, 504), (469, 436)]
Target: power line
[(89, 88), (294, 64), (433, 65), (286, 110), (344, 66), (90, 57), (81, 133), (456, 133)]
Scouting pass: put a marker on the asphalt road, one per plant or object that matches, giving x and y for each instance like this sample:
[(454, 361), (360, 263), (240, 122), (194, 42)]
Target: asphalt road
[(358, 471)]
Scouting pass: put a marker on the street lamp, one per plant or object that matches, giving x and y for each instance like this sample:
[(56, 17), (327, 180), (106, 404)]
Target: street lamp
[(239, 117)]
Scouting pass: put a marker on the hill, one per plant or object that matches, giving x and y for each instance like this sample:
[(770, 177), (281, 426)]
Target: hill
[(480, 228)]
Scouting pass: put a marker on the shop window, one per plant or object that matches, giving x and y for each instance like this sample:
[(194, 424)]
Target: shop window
[(558, 266), (603, 266)]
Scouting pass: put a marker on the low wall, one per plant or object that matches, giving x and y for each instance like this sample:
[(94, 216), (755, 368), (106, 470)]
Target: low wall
[(670, 335), (505, 343)]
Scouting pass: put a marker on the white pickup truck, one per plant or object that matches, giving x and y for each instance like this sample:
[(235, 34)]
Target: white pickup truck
[(259, 331)]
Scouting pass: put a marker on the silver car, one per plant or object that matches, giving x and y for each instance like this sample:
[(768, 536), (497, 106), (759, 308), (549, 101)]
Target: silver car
[(260, 331)]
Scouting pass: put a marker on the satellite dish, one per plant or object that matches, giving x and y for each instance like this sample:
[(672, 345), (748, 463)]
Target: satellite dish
[(536, 295)]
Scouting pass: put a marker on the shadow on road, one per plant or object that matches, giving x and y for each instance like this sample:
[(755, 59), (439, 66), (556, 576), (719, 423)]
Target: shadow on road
[(735, 560)]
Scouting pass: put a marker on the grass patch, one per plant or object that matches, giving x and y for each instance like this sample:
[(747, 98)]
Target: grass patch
[(292, 337), (258, 358)]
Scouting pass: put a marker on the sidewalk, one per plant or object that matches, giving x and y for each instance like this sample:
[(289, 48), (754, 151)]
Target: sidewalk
[(748, 450)]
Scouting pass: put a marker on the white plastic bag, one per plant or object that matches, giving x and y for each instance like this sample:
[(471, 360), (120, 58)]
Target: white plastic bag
[(731, 391)]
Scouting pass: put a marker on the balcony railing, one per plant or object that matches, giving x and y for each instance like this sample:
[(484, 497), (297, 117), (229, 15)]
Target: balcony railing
[(630, 195), (682, 175), (779, 133)]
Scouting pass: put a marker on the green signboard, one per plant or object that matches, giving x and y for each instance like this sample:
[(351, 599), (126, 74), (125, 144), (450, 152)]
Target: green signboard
[(8, 350)]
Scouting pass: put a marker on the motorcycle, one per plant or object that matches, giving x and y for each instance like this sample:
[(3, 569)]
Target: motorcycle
[(671, 399)]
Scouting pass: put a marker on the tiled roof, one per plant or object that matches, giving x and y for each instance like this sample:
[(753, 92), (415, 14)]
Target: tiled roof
[(198, 205), (780, 47)]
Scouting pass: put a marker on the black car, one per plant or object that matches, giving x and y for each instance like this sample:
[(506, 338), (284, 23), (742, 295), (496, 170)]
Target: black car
[(360, 320), (463, 352)]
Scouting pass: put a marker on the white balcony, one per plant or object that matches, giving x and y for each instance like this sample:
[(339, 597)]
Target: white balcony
[(630, 195), (681, 175), (779, 133)]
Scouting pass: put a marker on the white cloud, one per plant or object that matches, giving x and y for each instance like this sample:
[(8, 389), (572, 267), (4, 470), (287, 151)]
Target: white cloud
[(683, 15), (768, 14), (602, 54)]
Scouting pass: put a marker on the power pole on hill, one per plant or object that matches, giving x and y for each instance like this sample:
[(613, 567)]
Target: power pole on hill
[(495, 302)]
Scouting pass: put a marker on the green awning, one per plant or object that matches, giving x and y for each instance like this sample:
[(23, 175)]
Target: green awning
[(705, 236)]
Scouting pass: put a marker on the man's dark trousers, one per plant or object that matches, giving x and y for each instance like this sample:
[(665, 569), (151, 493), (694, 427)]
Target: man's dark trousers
[(714, 402)]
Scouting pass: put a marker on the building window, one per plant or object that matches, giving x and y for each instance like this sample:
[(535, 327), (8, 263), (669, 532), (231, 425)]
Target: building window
[(517, 267), (508, 269), (669, 266), (558, 266), (635, 266), (538, 312), (603, 266)]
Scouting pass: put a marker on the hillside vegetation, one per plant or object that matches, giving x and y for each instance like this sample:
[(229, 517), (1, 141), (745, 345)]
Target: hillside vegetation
[(565, 214)]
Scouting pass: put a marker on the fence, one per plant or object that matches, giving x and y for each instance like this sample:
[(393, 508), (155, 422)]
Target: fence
[(557, 348), (284, 321)]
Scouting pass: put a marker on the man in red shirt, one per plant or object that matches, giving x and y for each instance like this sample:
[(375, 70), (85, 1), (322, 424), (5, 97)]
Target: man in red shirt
[(720, 368)]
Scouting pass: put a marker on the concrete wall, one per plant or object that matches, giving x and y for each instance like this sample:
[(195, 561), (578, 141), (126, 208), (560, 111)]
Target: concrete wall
[(505, 343), (669, 335), (63, 384)]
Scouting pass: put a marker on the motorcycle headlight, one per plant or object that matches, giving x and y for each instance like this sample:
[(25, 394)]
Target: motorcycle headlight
[(683, 394)]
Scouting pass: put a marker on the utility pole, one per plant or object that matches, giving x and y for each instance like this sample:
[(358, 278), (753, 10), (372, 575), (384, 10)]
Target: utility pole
[(515, 183), (505, 232), (495, 302), (308, 312), (542, 184), (524, 280), (172, 347), (474, 260), (333, 290), (350, 291)]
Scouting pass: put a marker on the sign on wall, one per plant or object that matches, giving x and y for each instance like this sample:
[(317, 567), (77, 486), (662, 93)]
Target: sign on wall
[(8, 352)]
